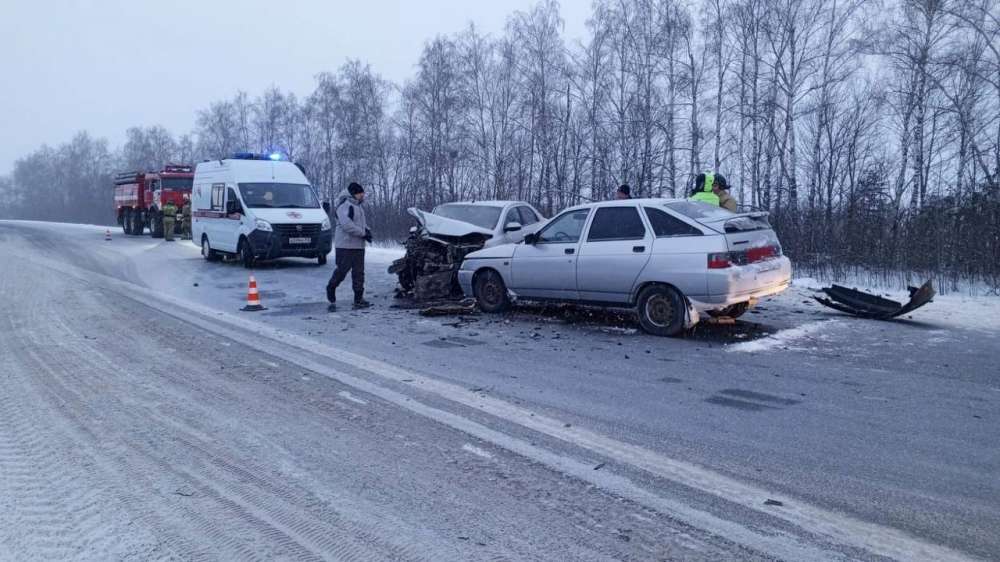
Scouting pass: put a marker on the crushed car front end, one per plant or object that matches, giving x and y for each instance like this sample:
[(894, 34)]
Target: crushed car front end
[(435, 250)]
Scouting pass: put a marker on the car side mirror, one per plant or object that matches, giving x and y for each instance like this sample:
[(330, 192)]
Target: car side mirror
[(512, 227), (531, 239), (326, 207)]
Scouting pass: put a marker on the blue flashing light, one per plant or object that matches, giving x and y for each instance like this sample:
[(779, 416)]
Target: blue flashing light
[(244, 156), (275, 156)]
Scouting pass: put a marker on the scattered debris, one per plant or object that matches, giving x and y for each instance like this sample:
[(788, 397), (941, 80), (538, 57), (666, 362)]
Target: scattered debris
[(464, 306), (599, 466), (769, 501), (867, 305)]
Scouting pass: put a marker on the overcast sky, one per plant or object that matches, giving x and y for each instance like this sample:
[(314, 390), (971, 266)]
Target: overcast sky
[(104, 65)]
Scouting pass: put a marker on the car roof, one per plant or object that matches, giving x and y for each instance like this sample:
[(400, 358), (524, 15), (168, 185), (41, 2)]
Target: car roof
[(625, 203), (483, 203)]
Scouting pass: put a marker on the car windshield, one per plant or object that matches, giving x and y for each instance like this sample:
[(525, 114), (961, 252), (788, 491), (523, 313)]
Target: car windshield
[(278, 195), (482, 216), (171, 184)]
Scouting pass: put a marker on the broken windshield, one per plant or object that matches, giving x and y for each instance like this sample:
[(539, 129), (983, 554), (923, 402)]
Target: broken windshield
[(482, 216)]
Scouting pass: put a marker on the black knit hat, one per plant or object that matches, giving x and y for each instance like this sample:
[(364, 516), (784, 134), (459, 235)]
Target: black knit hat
[(624, 188), (355, 188)]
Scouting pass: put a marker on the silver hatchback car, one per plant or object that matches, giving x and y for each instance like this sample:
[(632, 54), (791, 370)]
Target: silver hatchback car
[(670, 259)]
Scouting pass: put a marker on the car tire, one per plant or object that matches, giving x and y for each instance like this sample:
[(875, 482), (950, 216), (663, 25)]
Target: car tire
[(661, 311), (731, 311), (321, 258), (490, 292), (245, 252), (206, 250)]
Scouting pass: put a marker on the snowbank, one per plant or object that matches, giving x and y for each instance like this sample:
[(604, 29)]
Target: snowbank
[(783, 339)]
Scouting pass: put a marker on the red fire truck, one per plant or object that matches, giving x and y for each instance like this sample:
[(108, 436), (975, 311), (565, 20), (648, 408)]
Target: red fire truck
[(140, 196)]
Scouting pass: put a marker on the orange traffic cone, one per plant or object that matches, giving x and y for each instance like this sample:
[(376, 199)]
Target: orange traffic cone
[(253, 298), (107, 235)]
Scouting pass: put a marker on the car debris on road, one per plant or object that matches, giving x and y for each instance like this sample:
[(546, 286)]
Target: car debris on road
[(867, 305)]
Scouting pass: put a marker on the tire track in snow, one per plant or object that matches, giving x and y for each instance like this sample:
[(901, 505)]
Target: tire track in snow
[(231, 496)]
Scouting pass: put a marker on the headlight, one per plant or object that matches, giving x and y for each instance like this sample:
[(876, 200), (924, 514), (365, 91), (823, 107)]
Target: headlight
[(326, 224), (263, 225)]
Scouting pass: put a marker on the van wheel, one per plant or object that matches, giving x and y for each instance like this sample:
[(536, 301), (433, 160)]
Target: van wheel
[(732, 311), (490, 292), (246, 254), (206, 250), (661, 311), (321, 259)]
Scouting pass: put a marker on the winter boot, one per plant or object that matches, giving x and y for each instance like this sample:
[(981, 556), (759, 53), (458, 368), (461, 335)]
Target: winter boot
[(361, 303)]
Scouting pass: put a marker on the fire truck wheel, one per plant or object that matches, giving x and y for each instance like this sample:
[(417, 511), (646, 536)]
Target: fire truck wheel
[(126, 220), (246, 253), (137, 223), (155, 225)]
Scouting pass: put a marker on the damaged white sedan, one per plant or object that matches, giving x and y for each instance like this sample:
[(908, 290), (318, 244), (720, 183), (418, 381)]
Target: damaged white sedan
[(669, 259), (444, 236)]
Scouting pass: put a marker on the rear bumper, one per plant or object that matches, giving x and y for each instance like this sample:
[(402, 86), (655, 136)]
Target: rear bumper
[(271, 245), (745, 283)]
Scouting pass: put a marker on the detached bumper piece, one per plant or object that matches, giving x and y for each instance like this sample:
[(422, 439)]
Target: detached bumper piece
[(867, 305)]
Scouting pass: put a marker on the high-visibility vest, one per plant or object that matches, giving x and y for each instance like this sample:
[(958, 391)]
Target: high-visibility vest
[(706, 195)]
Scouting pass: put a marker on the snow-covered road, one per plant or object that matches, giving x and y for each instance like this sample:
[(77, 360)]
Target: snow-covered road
[(144, 416)]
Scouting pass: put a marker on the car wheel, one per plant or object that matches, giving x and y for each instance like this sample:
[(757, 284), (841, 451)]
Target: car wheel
[(246, 254), (206, 250), (490, 292), (661, 310), (321, 258), (732, 311)]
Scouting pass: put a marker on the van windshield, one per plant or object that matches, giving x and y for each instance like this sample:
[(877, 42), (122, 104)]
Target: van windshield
[(278, 196)]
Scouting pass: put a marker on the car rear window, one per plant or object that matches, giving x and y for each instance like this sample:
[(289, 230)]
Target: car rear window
[(666, 225), (616, 223), (699, 211)]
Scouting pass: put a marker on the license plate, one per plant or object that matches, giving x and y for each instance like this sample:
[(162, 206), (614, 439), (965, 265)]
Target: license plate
[(300, 240), (770, 265)]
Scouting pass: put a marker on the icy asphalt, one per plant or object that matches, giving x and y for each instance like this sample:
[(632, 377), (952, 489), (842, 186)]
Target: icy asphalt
[(130, 431)]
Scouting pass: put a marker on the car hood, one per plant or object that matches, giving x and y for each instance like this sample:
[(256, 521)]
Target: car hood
[(289, 216), (500, 251), (443, 226)]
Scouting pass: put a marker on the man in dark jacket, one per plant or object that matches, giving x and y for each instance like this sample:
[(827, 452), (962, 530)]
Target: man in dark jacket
[(351, 236)]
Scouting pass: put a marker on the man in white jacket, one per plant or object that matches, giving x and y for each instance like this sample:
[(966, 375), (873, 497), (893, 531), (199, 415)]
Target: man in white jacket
[(350, 239)]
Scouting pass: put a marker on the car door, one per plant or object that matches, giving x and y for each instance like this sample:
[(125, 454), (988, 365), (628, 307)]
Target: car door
[(547, 268), (232, 222), (615, 251)]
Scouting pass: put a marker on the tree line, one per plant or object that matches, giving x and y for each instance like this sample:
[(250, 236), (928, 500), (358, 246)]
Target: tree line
[(870, 130)]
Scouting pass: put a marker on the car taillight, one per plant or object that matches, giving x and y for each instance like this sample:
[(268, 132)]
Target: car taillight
[(763, 253), (719, 260)]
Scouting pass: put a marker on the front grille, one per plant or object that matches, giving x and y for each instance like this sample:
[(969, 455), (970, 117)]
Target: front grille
[(286, 230)]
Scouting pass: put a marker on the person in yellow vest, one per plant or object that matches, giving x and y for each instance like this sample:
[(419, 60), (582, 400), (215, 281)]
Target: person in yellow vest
[(186, 218), (713, 189), (169, 220)]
